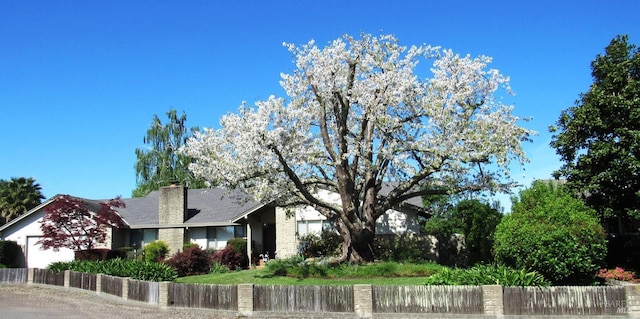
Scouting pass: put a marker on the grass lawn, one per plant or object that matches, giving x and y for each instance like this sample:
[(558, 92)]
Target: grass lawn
[(391, 274)]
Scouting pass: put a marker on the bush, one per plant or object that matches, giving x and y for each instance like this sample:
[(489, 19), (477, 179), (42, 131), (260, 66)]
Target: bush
[(476, 221), (487, 275), (2, 266), (136, 269), (616, 274), (230, 258), (9, 253), (296, 266), (240, 245), (403, 248), (100, 254), (326, 244), (552, 233), (191, 261), (189, 245), (156, 251), (217, 268)]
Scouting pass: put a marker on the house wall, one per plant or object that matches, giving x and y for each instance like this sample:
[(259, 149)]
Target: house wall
[(26, 232), (286, 239)]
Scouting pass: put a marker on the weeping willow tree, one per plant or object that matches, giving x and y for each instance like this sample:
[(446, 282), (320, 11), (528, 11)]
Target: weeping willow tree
[(158, 164)]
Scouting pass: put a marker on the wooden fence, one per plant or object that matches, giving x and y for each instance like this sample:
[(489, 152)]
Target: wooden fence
[(363, 300), (82, 280), (145, 291), (277, 298), (609, 300), (48, 277), (428, 299), (13, 275), (111, 285), (222, 297)]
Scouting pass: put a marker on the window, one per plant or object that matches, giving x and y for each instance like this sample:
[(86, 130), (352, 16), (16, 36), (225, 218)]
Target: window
[(313, 226), (217, 237)]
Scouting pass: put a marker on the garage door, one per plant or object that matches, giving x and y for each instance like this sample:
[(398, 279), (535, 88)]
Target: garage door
[(39, 258)]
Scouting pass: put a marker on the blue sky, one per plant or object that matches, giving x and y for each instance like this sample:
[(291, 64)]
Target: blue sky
[(81, 80)]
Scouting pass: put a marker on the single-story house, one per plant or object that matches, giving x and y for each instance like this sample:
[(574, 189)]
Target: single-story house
[(208, 217)]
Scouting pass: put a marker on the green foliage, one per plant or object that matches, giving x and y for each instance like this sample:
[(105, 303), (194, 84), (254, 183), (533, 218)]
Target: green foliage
[(598, 138), (156, 251), (218, 268), (189, 245), (476, 221), (136, 269), (191, 261), (326, 244), (231, 258), (9, 253), (487, 275), (551, 232), (298, 266), (18, 196), (159, 164), (403, 248)]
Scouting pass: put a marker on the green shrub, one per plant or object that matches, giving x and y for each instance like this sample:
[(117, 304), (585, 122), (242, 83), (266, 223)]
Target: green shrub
[(231, 258), (476, 221), (136, 269), (553, 233), (2, 266), (403, 248), (9, 253), (189, 245), (487, 275), (218, 268), (326, 244), (240, 245), (156, 251), (191, 261)]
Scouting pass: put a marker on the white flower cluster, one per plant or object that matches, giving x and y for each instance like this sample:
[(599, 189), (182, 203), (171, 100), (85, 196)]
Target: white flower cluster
[(356, 106)]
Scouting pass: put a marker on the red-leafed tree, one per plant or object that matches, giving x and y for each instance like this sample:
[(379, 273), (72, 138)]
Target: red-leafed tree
[(78, 224)]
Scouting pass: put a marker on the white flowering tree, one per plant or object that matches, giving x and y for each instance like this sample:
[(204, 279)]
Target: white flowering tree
[(356, 117)]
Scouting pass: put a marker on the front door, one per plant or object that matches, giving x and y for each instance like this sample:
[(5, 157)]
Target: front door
[(269, 239)]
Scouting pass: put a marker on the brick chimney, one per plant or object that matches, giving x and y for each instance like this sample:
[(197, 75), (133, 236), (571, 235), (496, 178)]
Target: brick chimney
[(173, 204), (172, 211)]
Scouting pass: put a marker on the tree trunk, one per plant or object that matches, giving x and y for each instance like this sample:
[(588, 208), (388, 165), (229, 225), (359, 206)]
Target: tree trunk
[(357, 245)]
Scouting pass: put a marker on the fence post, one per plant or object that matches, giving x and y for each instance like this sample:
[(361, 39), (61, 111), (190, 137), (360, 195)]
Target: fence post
[(245, 299), (67, 278), (98, 283), (163, 294), (31, 274), (125, 288), (632, 293), (363, 300), (492, 300)]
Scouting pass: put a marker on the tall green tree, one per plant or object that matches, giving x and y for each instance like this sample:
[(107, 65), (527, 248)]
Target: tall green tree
[(18, 196), (158, 164), (551, 232), (598, 139)]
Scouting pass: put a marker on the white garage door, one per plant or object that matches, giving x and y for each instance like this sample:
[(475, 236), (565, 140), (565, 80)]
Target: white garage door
[(39, 258)]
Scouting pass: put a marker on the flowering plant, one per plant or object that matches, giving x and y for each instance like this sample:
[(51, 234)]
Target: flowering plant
[(617, 274)]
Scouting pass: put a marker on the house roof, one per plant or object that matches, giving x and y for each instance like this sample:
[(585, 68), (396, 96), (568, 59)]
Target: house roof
[(209, 206)]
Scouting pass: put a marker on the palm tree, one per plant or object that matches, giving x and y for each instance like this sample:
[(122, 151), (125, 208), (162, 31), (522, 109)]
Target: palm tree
[(18, 196)]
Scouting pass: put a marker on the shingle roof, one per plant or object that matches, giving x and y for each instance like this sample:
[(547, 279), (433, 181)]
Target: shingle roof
[(205, 206)]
